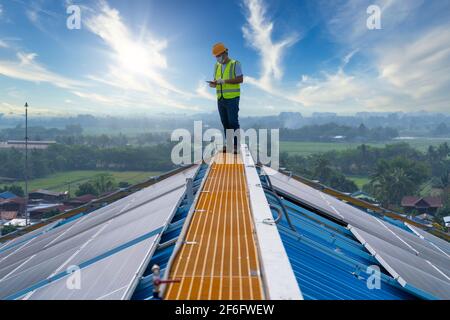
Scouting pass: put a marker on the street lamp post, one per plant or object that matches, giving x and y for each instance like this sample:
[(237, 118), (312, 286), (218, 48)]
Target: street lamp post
[(27, 216)]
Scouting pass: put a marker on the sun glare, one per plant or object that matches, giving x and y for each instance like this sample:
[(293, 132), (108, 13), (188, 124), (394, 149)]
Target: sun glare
[(134, 58)]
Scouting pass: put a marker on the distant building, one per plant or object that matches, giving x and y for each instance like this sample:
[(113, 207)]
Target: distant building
[(425, 217), (7, 195), (16, 223), (12, 207), (6, 179), (38, 212), (291, 120), (364, 196), (47, 195), (427, 205), (79, 201), (20, 144), (323, 114), (447, 221), (8, 215)]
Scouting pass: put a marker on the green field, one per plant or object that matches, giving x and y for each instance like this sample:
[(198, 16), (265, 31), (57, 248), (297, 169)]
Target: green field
[(124, 131), (360, 181), (308, 148), (60, 181)]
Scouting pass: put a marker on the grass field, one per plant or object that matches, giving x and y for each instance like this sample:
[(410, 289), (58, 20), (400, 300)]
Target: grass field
[(360, 181), (124, 131), (308, 148), (60, 181)]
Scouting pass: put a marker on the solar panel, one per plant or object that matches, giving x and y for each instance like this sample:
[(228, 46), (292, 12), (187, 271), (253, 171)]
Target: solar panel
[(83, 240), (349, 214), (439, 243), (331, 206), (406, 267), (107, 279), (26, 237), (394, 239)]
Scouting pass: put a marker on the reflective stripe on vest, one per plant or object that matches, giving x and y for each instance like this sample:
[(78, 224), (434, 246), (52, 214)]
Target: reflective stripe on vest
[(227, 90)]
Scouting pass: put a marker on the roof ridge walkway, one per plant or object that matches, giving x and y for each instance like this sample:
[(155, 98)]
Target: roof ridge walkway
[(218, 259)]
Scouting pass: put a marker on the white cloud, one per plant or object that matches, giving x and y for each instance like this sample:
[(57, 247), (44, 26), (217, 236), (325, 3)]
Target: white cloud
[(348, 57), (332, 90), (26, 68), (1, 10), (346, 19), (26, 58), (32, 15), (133, 79), (95, 97), (204, 91), (258, 33), (15, 109), (143, 58), (3, 44), (420, 67), (123, 101), (136, 65), (39, 16), (405, 69)]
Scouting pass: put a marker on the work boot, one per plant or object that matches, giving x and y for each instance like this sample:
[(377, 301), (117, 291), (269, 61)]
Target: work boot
[(224, 149)]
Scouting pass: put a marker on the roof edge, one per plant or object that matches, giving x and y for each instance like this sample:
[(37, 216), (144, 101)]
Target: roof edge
[(277, 274)]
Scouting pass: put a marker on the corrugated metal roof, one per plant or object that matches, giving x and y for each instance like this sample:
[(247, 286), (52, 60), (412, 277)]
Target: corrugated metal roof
[(7, 195), (389, 239), (328, 261)]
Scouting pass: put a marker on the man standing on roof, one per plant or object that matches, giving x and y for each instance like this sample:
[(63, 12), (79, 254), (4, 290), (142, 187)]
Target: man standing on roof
[(227, 79)]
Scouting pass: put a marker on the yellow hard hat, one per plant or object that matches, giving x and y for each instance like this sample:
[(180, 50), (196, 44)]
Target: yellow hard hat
[(218, 48)]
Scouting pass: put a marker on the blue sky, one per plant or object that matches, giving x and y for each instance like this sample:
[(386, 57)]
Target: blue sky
[(145, 57)]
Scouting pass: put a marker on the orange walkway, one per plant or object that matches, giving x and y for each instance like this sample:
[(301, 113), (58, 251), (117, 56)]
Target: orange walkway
[(218, 259)]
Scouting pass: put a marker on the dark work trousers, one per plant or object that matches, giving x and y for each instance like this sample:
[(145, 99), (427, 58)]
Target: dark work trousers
[(228, 111)]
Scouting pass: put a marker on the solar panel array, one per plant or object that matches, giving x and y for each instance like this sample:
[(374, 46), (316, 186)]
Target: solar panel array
[(438, 243), (409, 258), (109, 245)]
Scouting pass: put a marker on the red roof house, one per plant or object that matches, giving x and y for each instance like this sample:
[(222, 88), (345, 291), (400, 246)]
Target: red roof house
[(422, 204)]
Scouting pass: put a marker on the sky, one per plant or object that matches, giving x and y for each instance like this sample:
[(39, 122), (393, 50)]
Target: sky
[(147, 57)]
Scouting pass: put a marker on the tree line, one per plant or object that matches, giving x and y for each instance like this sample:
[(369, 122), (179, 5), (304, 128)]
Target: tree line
[(61, 157), (333, 132), (73, 134), (394, 171)]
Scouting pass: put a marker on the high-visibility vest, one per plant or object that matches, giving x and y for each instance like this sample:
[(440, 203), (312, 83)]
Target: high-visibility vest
[(227, 90)]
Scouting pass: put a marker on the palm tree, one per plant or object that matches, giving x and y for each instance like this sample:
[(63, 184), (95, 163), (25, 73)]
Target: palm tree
[(391, 182), (321, 169), (104, 182), (443, 151)]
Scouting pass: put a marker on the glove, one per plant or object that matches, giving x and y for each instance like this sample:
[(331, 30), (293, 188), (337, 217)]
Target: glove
[(220, 81)]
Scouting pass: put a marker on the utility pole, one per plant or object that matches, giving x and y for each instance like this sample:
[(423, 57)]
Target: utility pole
[(27, 216)]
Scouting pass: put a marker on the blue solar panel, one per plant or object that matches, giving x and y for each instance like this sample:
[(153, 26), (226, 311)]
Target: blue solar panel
[(333, 268), (394, 241), (110, 244)]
